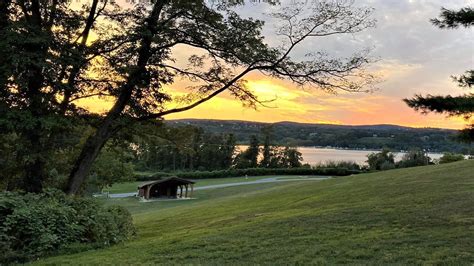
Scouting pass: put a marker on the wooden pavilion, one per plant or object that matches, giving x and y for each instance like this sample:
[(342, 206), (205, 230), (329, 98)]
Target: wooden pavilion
[(173, 187)]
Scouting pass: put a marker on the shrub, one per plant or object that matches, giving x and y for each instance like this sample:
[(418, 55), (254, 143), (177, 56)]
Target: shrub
[(414, 158), (36, 225), (451, 157), (320, 170), (351, 165), (387, 166), (383, 160)]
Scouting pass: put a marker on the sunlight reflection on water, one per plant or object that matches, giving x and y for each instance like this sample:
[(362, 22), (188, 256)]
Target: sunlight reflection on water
[(312, 155)]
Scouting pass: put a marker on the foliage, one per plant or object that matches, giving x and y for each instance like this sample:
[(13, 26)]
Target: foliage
[(37, 225), (322, 170), (412, 216), (383, 160), (350, 165), (10, 168), (467, 134), (249, 157), (455, 106), (453, 19), (321, 135), (272, 157), (112, 165), (162, 147), (55, 53), (459, 105), (291, 158), (267, 149), (414, 158), (451, 157)]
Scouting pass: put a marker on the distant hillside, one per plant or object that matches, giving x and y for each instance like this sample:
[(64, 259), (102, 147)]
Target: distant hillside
[(343, 136)]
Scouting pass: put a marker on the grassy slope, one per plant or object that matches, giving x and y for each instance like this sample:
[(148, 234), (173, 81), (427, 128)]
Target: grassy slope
[(423, 214), (126, 187)]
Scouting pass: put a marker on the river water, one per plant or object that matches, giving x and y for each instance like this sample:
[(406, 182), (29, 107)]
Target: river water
[(313, 155)]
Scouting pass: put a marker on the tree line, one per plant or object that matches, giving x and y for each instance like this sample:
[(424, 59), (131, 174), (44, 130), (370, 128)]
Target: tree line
[(148, 147), (189, 148), (55, 54), (352, 137)]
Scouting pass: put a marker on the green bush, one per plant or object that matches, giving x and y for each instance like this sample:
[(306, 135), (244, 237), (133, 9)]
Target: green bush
[(414, 158), (383, 160), (332, 171), (341, 164), (451, 157), (37, 225)]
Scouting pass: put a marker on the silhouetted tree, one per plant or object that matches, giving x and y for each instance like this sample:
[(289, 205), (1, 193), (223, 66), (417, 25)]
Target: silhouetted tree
[(291, 158), (383, 160), (452, 105), (51, 61), (413, 158), (267, 149), (228, 151), (249, 157)]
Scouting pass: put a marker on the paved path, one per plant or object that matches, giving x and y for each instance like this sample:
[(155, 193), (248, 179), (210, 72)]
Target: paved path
[(261, 181)]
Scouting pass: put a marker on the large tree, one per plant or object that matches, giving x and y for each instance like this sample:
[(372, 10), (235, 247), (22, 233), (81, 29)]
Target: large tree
[(62, 52), (462, 105)]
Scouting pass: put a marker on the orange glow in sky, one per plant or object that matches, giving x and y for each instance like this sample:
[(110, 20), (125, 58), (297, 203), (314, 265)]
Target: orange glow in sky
[(416, 58), (290, 103)]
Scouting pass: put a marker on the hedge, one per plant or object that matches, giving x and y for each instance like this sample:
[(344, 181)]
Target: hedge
[(250, 172), (37, 225)]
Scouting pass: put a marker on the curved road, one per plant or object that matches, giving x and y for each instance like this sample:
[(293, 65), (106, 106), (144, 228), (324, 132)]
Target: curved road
[(261, 181)]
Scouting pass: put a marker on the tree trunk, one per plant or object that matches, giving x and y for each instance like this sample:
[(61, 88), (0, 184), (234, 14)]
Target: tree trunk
[(89, 153), (96, 142), (35, 168)]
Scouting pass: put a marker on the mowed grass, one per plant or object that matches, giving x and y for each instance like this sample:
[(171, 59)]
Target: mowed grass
[(407, 216), (126, 187), (137, 207)]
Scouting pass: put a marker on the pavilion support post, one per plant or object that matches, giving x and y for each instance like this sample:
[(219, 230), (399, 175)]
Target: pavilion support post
[(147, 192), (181, 191), (192, 190), (186, 191)]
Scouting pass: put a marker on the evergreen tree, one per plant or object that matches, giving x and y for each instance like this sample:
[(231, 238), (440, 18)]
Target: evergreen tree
[(253, 151), (228, 150), (249, 157), (267, 149), (452, 105), (291, 158)]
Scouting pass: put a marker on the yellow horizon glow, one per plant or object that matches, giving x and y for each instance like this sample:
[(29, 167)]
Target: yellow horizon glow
[(288, 102), (305, 106)]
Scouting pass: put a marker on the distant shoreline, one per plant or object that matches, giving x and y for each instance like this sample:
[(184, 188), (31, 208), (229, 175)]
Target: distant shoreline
[(191, 120)]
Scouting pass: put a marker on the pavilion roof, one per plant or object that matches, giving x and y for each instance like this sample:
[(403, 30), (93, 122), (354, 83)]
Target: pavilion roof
[(170, 179)]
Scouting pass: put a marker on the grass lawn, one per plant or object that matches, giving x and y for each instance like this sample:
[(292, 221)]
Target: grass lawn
[(132, 186), (407, 216)]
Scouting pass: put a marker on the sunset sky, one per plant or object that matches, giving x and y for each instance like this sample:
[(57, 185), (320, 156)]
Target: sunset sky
[(415, 57)]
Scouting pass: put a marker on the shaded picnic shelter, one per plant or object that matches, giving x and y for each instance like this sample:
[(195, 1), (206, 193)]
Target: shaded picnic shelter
[(173, 187)]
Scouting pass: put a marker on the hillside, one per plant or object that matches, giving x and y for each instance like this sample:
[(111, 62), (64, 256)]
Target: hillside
[(343, 136), (406, 216)]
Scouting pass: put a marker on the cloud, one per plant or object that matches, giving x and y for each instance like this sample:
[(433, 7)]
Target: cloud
[(415, 57)]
